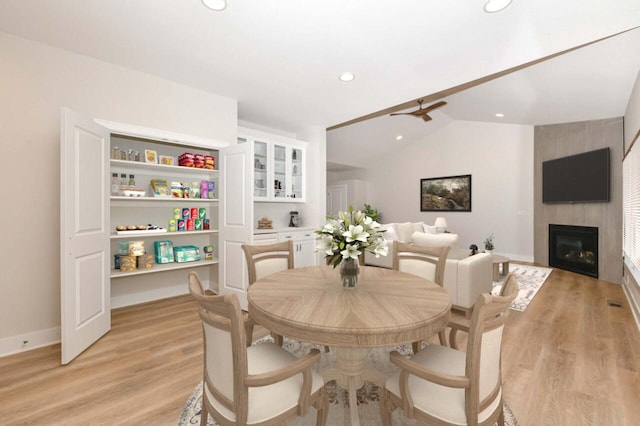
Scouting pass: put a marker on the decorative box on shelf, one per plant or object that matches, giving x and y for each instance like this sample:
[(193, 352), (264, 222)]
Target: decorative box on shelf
[(265, 223)]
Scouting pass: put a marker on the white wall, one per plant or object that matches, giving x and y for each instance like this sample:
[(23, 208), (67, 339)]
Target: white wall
[(632, 114), (500, 159), (36, 82)]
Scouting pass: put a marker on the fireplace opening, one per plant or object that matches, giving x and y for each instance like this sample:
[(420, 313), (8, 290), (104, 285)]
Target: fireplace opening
[(574, 248)]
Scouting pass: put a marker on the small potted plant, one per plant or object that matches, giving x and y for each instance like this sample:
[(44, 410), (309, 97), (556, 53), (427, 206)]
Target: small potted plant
[(488, 244)]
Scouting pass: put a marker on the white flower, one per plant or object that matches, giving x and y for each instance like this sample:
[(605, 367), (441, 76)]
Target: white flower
[(380, 248), (331, 226), (371, 223), (349, 235), (327, 245), (344, 217), (356, 233), (350, 251)]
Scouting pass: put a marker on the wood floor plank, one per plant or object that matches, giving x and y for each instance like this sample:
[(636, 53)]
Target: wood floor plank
[(569, 359)]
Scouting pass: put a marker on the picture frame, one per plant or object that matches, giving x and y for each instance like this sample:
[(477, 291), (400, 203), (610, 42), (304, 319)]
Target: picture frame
[(446, 194), (166, 160), (150, 156)]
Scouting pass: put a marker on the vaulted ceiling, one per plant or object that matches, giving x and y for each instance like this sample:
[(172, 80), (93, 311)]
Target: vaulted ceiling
[(281, 58)]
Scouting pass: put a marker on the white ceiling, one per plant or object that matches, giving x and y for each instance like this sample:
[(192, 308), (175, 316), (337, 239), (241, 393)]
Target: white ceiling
[(281, 58)]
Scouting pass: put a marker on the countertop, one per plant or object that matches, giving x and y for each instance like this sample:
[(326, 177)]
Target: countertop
[(285, 229)]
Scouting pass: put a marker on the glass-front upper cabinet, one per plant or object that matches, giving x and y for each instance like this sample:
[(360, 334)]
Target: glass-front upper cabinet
[(297, 173), (261, 167), (279, 169), (280, 181)]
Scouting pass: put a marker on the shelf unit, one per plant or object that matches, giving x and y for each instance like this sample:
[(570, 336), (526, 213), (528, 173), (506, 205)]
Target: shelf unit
[(159, 210)]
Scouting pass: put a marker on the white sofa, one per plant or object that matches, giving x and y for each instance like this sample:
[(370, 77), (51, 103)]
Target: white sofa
[(394, 231), (465, 277)]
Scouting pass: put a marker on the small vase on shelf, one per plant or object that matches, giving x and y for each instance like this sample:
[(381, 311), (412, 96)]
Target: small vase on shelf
[(349, 270)]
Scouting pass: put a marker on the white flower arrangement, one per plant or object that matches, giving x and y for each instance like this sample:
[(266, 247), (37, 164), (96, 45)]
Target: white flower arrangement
[(348, 236)]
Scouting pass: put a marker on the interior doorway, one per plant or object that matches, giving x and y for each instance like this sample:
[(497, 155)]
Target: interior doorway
[(336, 199)]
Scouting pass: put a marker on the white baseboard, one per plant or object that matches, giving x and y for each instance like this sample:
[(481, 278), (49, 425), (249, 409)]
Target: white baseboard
[(28, 341)]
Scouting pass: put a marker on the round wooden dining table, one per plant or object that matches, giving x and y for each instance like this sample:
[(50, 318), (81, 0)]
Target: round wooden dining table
[(386, 308)]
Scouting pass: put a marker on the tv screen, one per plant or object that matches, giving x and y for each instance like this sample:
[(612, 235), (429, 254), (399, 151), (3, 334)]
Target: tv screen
[(580, 178)]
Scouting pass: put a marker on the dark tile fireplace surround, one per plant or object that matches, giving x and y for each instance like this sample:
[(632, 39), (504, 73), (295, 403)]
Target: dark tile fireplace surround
[(574, 248)]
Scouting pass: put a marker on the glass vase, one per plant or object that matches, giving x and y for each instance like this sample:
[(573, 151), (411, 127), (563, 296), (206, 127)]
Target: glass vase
[(349, 270)]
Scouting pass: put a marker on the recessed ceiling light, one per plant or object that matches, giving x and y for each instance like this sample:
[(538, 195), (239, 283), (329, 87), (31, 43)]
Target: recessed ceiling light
[(492, 6), (399, 137), (215, 4), (499, 115), (347, 76)]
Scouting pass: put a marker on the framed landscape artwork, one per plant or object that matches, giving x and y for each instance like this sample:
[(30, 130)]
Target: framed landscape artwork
[(449, 194)]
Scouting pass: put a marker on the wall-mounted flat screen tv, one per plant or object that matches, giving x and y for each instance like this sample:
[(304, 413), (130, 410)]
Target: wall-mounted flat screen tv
[(581, 178)]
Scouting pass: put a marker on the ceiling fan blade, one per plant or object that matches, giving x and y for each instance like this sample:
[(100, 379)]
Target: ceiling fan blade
[(422, 112), (434, 106)]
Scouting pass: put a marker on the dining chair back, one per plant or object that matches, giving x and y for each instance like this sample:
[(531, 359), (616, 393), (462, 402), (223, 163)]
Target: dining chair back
[(249, 385), (426, 262), (263, 260), (441, 385)]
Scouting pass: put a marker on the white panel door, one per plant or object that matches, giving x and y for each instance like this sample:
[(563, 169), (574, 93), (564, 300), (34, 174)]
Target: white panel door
[(236, 218), (336, 199), (84, 233)]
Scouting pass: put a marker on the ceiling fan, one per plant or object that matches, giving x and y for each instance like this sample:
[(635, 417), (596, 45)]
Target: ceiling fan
[(422, 112)]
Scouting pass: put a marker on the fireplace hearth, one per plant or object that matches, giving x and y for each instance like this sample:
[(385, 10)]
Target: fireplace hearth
[(574, 248)]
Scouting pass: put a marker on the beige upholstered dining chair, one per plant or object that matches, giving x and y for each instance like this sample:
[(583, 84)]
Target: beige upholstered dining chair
[(261, 384), (444, 386), (460, 322), (263, 260), (248, 322), (425, 262)]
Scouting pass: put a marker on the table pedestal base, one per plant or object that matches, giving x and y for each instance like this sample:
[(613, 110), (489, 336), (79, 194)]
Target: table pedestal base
[(351, 372)]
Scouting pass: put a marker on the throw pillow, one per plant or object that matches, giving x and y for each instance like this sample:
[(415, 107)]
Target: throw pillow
[(405, 230), (428, 229), (391, 233)]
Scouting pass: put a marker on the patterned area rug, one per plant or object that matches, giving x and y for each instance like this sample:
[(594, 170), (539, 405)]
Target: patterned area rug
[(530, 279), (368, 396)]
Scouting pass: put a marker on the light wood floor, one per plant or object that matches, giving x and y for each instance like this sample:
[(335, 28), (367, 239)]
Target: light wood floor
[(569, 359)]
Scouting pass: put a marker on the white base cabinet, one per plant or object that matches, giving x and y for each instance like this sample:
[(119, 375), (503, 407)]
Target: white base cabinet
[(304, 247)]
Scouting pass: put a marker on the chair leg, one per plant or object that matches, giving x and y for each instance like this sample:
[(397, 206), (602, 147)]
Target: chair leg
[(327, 349), (248, 328), (452, 338), (386, 408), (204, 415), (279, 340), (501, 415), (322, 408), (416, 346), (442, 337)]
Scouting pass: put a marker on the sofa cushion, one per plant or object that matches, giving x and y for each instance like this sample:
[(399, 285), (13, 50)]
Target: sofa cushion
[(435, 240), (406, 229)]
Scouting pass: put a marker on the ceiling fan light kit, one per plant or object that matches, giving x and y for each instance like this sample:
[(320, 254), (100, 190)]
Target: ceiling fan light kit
[(492, 6)]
